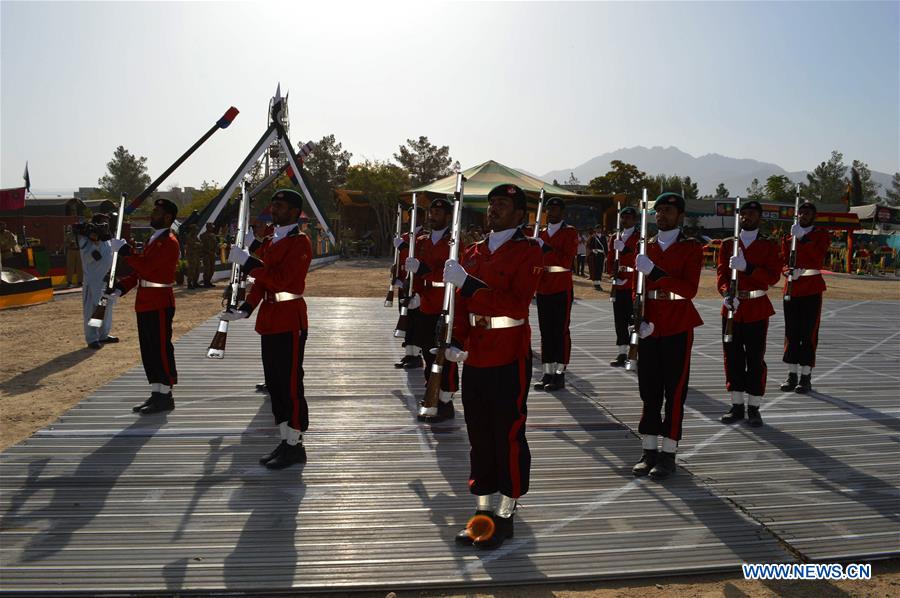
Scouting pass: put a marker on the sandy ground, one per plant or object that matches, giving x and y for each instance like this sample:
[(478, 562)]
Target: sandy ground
[(45, 369)]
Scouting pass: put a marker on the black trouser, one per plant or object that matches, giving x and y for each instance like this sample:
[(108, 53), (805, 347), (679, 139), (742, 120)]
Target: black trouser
[(801, 329), (495, 402), (554, 312), (424, 337), (623, 314), (745, 364), (599, 262), (664, 366), (282, 357), (157, 352), (579, 265)]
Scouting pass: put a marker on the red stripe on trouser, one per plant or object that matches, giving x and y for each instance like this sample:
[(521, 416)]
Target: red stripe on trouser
[(678, 398), (815, 334), (725, 360), (762, 358), (163, 345), (515, 474), (567, 338), (295, 400)]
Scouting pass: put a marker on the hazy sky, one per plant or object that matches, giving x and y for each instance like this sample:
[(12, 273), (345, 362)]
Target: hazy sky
[(538, 86)]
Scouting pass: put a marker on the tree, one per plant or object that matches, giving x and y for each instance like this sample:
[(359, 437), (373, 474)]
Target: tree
[(893, 194), (755, 191), (621, 178), (689, 188), (827, 183), (573, 180), (869, 189), (125, 174), (326, 168), (424, 161), (721, 191), (381, 184), (780, 188)]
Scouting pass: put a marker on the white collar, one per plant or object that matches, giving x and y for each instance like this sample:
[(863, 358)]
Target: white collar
[(281, 232), (498, 238), (628, 232), (437, 234), (552, 228), (157, 234), (666, 238), (748, 236), (807, 228)]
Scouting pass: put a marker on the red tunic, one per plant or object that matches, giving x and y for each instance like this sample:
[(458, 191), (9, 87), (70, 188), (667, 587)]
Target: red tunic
[(626, 260), (764, 269), (499, 284), (157, 263), (431, 270), (811, 251), (280, 267), (680, 265), (563, 246)]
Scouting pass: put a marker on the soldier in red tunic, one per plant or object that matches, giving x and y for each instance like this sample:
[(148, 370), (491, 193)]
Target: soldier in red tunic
[(623, 279), (803, 312), (559, 241), (411, 358), (432, 251), (154, 276), (279, 270), (496, 280), (759, 266), (672, 268)]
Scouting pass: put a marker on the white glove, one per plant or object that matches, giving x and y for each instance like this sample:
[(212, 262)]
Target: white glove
[(231, 316), (117, 244), (595, 251), (454, 273), (238, 255), (795, 276), (738, 262), (540, 241), (112, 297), (619, 245), (398, 282), (452, 353), (411, 264), (398, 241), (797, 231), (619, 282), (646, 329), (644, 264), (414, 302), (731, 303)]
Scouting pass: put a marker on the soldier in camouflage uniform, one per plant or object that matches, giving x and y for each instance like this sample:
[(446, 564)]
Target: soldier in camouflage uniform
[(192, 251)]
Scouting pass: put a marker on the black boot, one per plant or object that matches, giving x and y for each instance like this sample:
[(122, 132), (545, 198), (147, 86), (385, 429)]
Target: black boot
[(463, 536), (620, 361), (805, 384), (789, 384), (149, 400), (665, 467), (290, 455), (545, 380), (648, 460), (503, 529), (277, 451), (158, 403), (753, 417), (414, 362), (736, 413), (262, 387), (558, 382), (402, 363), (444, 412)]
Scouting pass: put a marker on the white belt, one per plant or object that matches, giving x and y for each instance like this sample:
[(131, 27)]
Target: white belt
[(282, 296), (809, 272), (625, 269), (664, 296), (436, 285), (555, 269), (751, 294), (155, 285), (491, 322)]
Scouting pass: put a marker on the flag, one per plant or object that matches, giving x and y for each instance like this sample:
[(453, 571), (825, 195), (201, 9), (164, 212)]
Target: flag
[(12, 199), (27, 178)]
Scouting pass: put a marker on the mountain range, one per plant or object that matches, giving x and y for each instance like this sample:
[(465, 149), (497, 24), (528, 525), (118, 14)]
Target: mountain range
[(707, 171)]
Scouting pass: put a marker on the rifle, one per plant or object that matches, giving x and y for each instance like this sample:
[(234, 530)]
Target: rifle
[(237, 286), (222, 123), (792, 258), (733, 285), (99, 314), (443, 332), (395, 268), (639, 292), (403, 320), (537, 216), (615, 270)]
